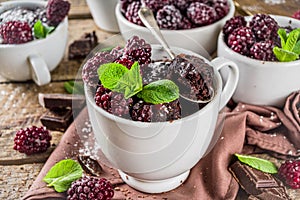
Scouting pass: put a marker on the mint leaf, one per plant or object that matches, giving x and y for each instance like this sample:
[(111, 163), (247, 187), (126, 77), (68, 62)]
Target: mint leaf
[(62, 174), (161, 91), (41, 31), (258, 163), (291, 40), (110, 73), (284, 55), (131, 82), (297, 48), (283, 36)]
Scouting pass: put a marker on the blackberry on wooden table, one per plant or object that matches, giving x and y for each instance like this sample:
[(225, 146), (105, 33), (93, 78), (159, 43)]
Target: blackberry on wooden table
[(289, 172)]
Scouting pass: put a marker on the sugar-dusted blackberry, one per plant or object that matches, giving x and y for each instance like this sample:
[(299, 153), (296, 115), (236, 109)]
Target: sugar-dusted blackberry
[(201, 14), (155, 5), (15, 32), (169, 17), (137, 49), (155, 71), (19, 14), (145, 112), (131, 13), (32, 140), (90, 188), (241, 40), (56, 11), (124, 4), (264, 27), (296, 14), (221, 7), (113, 102), (117, 52), (125, 61), (182, 4), (89, 70), (185, 23), (233, 23), (263, 50), (193, 76), (289, 172)]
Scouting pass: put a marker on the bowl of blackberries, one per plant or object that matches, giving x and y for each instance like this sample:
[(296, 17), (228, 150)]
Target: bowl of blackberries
[(266, 49), (33, 38), (189, 24), (143, 124)]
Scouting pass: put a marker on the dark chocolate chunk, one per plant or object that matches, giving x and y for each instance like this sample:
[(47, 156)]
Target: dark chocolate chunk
[(82, 47), (57, 100), (256, 183), (57, 119), (90, 165)]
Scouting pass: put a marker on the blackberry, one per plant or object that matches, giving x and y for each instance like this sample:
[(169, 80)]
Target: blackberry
[(155, 5), (20, 14), (145, 112), (15, 32), (131, 13), (296, 15), (32, 140), (56, 11), (90, 188), (241, 40), (182, 4), (169, 17), (89, 70), (117, 52), (289, 172), (113, 102), (264, 27), (201, 14), (233, 23), (221, 7), (185, 23), (193, 76), (126, 62), (124, 4), (136, 49), (263, 50)]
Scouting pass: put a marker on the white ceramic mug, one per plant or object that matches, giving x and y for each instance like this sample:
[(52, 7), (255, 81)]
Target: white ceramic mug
[(33, 60), (103, 13), (263, 82), (157, 156)]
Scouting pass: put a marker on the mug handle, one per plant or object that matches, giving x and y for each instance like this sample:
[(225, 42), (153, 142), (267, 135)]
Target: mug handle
[(231, 81), (39, 70)]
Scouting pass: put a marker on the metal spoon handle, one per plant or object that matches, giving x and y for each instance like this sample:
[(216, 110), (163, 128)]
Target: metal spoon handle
[(147, 17)]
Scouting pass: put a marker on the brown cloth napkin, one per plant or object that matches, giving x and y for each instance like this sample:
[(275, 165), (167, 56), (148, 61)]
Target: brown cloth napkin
[(246, 129)]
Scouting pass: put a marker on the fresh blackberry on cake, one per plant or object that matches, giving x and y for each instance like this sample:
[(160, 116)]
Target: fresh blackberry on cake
[(131, 13), (56, 11), (241, 40), (90, 188), (221, 7), (136, 49), (169, 17), (15, 32), (89, 70), (264, 27), (233, 23), (32, 140), (193, 76), (201, 14), (289, 172), (263, 50), (113, 102)]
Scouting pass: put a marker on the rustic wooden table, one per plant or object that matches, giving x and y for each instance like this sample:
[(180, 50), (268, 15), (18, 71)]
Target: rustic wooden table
[(20, 106)]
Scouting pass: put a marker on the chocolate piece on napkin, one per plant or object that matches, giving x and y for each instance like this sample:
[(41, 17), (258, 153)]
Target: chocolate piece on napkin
[(257, 183)]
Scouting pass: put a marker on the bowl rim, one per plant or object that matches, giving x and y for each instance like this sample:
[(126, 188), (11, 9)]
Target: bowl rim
[(89, 97), (16, 3), (258, 63), (121, 17)]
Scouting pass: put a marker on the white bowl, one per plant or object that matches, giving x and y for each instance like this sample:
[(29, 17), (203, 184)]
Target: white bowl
[(35, 59), (262, 82), (157, 156), (202, 40)]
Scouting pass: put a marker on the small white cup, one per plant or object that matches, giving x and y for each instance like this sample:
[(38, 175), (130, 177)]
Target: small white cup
[(33, 60), (103, 12), (156, 157)]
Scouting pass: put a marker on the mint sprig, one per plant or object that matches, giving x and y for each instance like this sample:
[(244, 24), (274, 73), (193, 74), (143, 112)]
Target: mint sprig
[(40, 30), (118, 78), (62, 174), (258, 163), (290, 45)]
